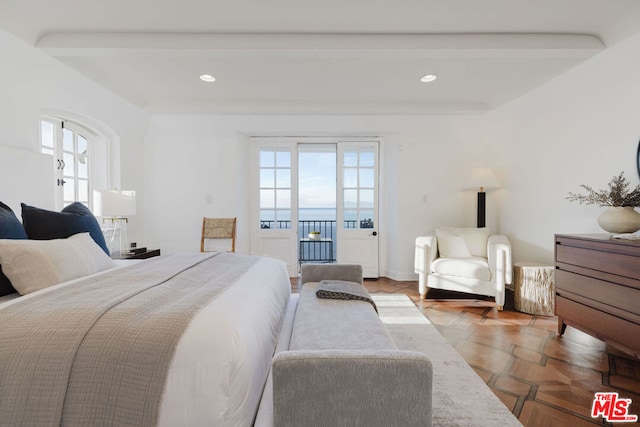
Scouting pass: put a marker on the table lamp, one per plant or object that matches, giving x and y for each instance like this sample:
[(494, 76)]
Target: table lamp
[(482, 179), (115, 206)]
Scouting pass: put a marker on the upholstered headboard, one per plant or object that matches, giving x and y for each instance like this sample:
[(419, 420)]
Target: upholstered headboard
[(26, 176)]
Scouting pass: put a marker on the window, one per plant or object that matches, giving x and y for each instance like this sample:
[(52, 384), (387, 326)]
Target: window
[(69, 144), (359, 187), (275, 188)]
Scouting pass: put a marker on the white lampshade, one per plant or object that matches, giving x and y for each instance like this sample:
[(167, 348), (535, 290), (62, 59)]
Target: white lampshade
[(114, 203), (483, 179)]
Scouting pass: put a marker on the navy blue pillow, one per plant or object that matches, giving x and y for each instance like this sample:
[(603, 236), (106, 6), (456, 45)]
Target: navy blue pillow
[(10, 228), (76, 218)]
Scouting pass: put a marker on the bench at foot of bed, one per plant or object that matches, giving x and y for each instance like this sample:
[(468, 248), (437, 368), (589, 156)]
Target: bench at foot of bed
[(338, 365)]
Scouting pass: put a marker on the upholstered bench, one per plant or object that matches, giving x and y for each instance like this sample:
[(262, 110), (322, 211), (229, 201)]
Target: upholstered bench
[(340, 367)]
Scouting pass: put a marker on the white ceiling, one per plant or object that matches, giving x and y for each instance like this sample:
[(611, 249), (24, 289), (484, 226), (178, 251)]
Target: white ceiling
[(329, 56)]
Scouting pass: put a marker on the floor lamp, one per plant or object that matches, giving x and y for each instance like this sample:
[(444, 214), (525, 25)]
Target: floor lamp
[(484, 179), (115, 206)]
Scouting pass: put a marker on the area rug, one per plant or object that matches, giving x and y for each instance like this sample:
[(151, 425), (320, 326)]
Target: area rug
[(460, 397)]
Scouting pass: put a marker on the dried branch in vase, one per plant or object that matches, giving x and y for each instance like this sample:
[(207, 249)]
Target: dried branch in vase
[(618, 194)]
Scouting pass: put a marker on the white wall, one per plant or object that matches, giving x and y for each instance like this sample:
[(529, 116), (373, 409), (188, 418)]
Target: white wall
[(32, 83), (189, 157), (581, 128)]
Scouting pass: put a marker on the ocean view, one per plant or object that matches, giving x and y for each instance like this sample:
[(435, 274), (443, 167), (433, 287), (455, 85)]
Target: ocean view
[(306, 217), (324, 221), (323, 214)]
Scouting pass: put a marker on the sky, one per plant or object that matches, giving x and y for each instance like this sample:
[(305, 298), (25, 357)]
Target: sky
[(317, 180)]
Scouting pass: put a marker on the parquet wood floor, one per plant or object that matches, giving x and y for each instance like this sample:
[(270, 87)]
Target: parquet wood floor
[(544, 379)]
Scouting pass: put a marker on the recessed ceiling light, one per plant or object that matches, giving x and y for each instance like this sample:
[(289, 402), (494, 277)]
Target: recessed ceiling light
[(428, 78), (207, 78)]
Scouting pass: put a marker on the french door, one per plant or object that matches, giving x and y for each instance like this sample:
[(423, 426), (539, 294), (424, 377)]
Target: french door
[(358, 205), (275, 198), (69, 145), (276, 217)]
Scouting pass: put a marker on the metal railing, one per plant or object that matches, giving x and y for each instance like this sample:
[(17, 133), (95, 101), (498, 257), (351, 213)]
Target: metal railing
[(322, 250), (314, 224)]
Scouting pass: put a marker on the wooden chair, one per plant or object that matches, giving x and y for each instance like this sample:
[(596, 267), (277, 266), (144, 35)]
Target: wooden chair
[(218, 228)]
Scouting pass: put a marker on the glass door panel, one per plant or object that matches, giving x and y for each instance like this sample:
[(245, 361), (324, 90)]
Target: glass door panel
[(358, 213), (275, 189), (317, 202)]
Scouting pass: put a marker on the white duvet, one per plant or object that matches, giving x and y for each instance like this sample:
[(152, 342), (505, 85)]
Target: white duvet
[(223, 359)]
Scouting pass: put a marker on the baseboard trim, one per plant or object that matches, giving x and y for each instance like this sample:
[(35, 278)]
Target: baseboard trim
[(401, 277)]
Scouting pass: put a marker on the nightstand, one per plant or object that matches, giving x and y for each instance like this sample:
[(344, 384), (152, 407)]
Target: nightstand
[(143, 255)]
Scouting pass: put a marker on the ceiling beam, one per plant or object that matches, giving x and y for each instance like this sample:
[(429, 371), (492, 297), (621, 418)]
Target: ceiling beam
[(335, 45)]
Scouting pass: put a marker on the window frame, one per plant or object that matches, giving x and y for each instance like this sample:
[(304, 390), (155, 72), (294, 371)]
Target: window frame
[(61, 175), (281, 212)]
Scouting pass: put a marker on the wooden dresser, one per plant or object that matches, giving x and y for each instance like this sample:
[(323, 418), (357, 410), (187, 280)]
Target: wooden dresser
[(598, 288)]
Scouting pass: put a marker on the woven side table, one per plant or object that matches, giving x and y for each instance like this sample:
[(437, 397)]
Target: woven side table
[(534, 288)]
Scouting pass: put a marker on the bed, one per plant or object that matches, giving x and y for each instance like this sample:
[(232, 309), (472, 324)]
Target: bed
[(207, 365), (182, 339), (214, 374)]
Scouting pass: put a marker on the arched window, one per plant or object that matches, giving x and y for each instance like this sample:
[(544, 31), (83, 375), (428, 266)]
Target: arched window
[(81, 161)]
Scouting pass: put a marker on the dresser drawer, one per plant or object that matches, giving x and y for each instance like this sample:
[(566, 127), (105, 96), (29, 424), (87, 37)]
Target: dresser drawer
[(598, 288), (599, 292), (611, 329), (599, 260)]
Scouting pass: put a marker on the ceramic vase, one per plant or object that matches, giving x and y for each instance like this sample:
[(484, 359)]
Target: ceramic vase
[(620, 220)]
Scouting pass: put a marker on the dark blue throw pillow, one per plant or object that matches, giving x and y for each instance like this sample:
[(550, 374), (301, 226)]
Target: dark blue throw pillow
[(76, 218), (10, 228)]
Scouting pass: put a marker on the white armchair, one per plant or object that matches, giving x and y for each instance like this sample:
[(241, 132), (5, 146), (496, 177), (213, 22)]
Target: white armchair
[(464, 259)]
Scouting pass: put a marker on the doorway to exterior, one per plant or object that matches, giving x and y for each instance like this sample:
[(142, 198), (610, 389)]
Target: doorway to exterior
[(316, 201), (317, 213)]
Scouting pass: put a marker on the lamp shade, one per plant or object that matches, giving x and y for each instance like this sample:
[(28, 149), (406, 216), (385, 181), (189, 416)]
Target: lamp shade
[(114, 203), (482, 178)]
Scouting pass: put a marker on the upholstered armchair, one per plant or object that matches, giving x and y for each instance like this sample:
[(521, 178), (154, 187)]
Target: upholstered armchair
[(464, 259)]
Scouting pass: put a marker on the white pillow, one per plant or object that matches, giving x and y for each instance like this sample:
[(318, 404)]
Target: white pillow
[(32, 265), (476, 239), (451, 244)]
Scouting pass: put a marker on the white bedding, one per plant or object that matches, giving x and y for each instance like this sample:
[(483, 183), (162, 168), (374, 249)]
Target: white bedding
[(9, 297), (220, 366), (238, 331)]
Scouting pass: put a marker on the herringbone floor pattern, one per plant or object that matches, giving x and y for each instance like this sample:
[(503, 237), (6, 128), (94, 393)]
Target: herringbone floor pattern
[(544, 379)]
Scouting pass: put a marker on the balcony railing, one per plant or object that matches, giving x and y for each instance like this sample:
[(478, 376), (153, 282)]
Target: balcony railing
[(316, 251), (315, 224)]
